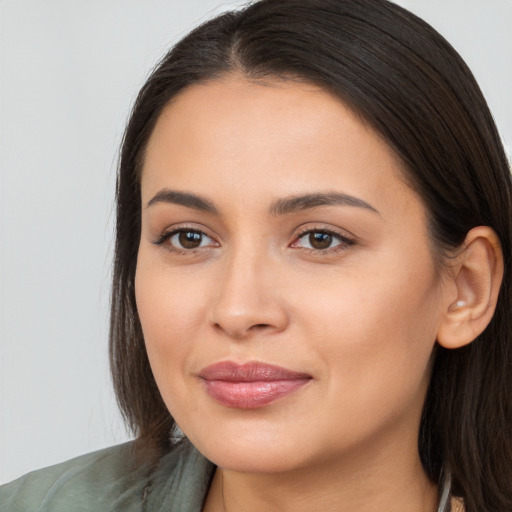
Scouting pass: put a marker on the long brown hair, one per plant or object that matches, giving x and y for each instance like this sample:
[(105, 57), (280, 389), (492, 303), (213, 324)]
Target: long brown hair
[(404, 79)]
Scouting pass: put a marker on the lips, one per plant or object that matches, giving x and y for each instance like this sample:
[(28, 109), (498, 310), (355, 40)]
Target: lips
[(250, 385)]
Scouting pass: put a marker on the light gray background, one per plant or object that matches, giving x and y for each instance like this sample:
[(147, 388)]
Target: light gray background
[(69, 71)]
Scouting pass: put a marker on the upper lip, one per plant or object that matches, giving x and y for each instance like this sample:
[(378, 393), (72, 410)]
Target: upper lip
[(249, 372)]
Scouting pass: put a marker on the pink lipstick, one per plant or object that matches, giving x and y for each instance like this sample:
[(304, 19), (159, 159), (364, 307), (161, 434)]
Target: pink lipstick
[(250, 385)]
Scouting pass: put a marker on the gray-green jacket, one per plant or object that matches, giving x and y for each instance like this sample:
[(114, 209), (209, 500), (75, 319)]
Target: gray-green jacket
[(109, 480)]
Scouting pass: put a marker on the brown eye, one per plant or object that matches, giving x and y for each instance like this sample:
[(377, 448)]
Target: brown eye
[(189, 239), (186, 240), (320, 240)]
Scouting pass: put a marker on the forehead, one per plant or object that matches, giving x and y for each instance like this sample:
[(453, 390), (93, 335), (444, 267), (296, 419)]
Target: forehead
[(232, 136)]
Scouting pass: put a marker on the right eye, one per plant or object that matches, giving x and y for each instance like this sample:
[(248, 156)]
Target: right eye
[(185, 240)]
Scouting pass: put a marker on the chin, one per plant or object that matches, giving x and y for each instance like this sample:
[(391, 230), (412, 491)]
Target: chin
[(252, 452), (254, 460)]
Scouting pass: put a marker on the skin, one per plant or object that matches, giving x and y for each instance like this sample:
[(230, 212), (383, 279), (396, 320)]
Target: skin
[(361, 318)]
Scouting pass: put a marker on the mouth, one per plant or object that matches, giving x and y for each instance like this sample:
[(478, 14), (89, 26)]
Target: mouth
[(250, 385)]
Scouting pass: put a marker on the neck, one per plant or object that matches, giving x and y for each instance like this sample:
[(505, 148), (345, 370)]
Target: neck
[(363, 482)]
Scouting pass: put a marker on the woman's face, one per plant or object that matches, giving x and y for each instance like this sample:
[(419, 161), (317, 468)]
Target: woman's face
[(285, 283)]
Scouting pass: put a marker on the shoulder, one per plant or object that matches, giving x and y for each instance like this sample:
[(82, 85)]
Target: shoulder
[(78, 482), (108, 480)]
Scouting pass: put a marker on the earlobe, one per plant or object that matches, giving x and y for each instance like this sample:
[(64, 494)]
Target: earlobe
[(477, 276)]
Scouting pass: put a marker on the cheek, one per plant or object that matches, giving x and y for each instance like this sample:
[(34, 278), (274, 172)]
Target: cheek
[(389, 296), (169, 308), (376, 331)]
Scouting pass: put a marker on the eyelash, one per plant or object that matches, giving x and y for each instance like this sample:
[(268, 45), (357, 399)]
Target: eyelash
[(166, 237), (344, 242)]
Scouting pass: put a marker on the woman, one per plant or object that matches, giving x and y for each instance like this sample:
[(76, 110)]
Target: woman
[(311, 303)]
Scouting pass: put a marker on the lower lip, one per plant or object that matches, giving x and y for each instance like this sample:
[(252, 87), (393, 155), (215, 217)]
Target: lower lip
[(251, 395)]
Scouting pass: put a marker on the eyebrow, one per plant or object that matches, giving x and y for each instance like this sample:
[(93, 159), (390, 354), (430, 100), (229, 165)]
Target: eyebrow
[(184, 199), (308, 201), (280, 207)]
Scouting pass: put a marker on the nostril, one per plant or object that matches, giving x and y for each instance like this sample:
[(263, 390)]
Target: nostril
[(240, 331)]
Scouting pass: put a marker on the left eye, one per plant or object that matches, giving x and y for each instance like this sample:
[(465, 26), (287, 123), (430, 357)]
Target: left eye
[(188, 239), (321, 240)]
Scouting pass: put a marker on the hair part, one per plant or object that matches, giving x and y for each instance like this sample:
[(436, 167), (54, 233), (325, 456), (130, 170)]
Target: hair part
[(402, 78)]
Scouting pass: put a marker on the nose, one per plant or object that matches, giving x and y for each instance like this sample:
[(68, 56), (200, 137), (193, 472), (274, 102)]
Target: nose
[(247, 301)]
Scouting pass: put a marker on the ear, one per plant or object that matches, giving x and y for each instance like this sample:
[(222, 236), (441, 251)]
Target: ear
[(475, 280)]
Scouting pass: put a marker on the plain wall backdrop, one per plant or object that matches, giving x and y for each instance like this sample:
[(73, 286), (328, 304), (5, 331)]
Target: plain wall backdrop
[(69, 72)]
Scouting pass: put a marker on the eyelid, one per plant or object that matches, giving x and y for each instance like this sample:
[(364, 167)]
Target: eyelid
[(170, 231), (346, 240)]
